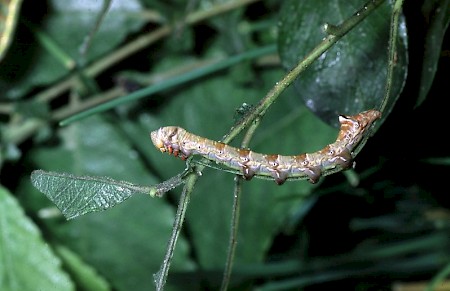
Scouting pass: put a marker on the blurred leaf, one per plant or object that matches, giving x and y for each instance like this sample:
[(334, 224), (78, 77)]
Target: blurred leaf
[(397, 257), (351, 76), (445, 161), (171, 10), (68, 24), (126, 244), (32, 109), (437, 13), (440, 280), (84, 275), (9, 13), (26, 261)]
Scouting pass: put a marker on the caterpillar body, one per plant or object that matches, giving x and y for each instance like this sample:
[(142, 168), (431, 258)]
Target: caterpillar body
[(177, 141)]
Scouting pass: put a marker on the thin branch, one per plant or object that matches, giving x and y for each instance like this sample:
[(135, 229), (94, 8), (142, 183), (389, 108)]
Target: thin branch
[(137, 45), (396, 11), (236, 213), (161, 277), (180, 79)]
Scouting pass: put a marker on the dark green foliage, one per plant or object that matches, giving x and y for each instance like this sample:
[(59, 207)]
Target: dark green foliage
[(386, 221)]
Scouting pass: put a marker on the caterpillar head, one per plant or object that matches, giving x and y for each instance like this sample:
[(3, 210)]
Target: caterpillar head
[(165, 138)]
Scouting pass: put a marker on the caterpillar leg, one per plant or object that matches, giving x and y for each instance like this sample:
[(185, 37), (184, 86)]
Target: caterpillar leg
[(344, 159), (280, 177), (313, 174), (247, 172)]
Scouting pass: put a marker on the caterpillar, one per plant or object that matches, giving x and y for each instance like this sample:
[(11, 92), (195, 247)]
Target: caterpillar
[(177, 141)]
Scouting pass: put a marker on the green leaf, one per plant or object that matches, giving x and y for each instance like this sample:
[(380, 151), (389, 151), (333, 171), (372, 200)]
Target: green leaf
[(126, 243), (118, 22), (84, 275), (437, 13), (26, 261), (351, 76), (78, 195)]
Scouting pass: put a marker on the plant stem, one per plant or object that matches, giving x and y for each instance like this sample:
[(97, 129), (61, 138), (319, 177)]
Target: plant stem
[(236, 213), (180, 79), (392, 56), (234, 226), (396, 11), (161, 277), (280, 86), (439, 278), (137, 45)]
